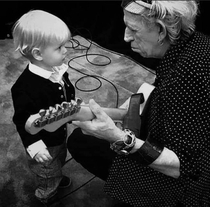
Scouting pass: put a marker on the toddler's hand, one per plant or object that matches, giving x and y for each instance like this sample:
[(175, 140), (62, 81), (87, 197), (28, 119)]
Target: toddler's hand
[(43, 156)]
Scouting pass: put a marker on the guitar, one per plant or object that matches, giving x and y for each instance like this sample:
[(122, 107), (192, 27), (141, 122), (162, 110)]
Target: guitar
[(54, 117)]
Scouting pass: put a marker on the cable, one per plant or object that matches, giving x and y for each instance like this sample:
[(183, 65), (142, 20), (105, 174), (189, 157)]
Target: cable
[(77, 46), (79, 187), (68, 160), (88, 90), (123, 55), (86, 55)]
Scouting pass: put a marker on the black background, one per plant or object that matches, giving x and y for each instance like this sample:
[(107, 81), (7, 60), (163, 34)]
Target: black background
[(102, 21)]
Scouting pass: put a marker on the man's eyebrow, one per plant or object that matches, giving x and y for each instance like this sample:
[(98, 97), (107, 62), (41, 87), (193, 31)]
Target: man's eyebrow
[(131, 27)]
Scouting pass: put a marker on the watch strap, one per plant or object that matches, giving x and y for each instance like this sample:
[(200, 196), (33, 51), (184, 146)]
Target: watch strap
[(123, 147)]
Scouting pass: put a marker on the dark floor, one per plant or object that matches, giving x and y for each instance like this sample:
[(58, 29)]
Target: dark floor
[(16, 181)]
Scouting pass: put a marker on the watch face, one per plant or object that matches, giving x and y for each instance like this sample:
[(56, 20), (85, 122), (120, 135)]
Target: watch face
[(129, 140), (130, 137), (123, 147)]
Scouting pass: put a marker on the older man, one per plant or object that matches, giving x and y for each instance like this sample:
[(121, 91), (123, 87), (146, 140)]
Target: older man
[(169, 165)]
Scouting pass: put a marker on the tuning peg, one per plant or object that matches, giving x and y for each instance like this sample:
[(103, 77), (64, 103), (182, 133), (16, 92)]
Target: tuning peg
[(51, 110), (65, 104), (42, 121), (70, 105), (77, 104), (51, 115), (73, 107), (73, 102), (37, 122), (42, 113), (58, 107), (79, 101), (59, 113)]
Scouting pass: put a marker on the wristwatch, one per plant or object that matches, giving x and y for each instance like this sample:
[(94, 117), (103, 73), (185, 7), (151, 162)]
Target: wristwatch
[(123, 147), (131, 126)]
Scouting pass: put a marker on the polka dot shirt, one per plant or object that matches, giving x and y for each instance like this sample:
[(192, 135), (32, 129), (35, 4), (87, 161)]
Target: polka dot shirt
[(179, 117)]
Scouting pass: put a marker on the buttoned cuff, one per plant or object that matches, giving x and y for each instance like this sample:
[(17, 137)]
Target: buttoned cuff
[(36, 147)]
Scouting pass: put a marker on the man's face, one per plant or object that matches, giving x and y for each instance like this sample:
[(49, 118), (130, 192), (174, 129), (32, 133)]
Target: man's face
[(143, 40)]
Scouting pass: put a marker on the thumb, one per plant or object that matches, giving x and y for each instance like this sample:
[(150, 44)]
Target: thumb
[(96, 109)]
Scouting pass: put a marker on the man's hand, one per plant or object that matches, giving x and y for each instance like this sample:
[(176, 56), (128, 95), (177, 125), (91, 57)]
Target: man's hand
[(43, 156), (102, 126)]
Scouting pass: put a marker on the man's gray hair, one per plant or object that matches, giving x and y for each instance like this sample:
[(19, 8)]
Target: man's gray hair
[(178, 17)]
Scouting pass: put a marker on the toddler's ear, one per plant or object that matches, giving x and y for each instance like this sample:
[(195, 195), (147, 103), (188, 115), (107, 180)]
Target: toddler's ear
[(36, 54)]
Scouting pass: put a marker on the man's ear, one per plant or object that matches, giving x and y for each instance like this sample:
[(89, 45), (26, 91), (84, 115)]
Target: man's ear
[(162, 31), (36, 54)]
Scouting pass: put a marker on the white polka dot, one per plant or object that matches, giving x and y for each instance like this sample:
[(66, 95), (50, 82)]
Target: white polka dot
[(178, 117)]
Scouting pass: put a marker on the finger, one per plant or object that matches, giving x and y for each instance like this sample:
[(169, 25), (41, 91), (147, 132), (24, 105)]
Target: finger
[(82, 124), (97, 110), (85, 132), (48, 156), (39, 159), (45, 158), (76, 123)]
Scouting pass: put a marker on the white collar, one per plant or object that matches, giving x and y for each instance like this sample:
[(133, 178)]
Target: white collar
[(40, 71), (54, 76)]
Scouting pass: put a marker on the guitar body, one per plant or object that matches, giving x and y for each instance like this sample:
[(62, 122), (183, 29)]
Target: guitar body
[(53, 118)]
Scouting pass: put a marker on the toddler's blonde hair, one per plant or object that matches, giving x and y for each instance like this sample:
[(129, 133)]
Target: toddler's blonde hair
[(36, 29)]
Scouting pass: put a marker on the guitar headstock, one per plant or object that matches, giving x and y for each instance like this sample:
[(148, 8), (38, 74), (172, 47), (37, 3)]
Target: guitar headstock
[(58, 112), (53, 118)]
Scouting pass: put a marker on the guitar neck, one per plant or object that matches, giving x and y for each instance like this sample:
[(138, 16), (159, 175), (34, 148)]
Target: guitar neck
[(85, 114), (35, 123), (73, 111)]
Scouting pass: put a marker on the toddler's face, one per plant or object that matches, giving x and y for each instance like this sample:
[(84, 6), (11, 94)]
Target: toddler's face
[(54, 54)]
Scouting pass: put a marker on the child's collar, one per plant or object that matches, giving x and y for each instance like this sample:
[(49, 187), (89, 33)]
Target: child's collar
[(40, 71), (47, 74)]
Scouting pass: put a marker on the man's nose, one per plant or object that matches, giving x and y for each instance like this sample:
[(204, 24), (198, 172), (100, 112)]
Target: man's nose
[(127, 36)]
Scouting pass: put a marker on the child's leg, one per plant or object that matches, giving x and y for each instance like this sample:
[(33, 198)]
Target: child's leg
[(49, 175)]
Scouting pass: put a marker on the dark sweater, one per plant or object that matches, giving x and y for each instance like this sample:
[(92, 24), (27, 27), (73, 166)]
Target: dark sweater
[(30, 93), (178, 117)]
